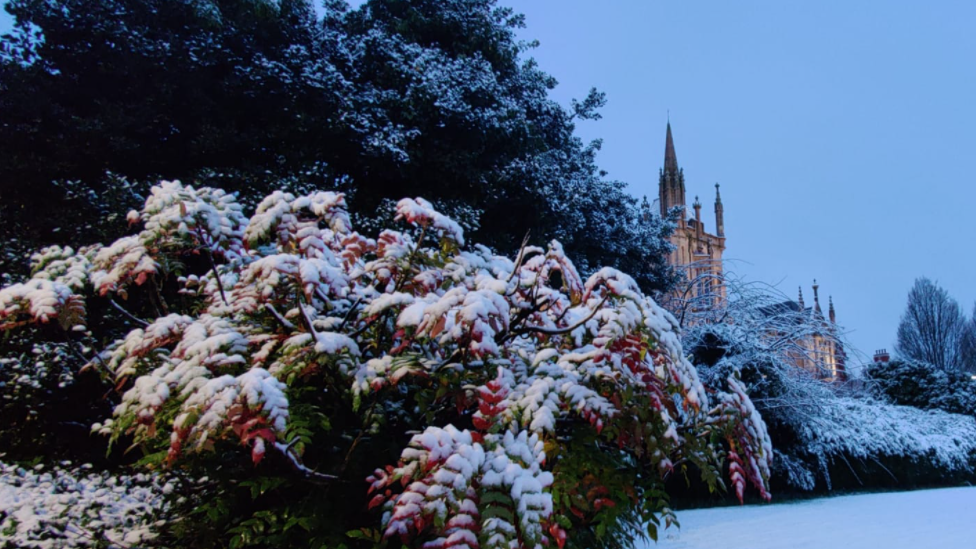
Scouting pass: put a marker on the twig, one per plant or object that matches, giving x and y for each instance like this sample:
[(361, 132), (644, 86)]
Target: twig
[(359, 437), (885, 468), (296, 463), (213, 266), (551, 331), (521, 255), (308, 320), (857, 478), (455, 356), (128, 314), (349, 313), (284, 321), (366, 326), (98, 358), (159, 298)]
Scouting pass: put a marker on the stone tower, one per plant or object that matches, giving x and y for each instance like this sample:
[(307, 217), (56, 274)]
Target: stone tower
[(671, 183), (697, 252)]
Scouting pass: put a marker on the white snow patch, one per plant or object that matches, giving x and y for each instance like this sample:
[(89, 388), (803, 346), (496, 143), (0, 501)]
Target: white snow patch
[(900, 520)]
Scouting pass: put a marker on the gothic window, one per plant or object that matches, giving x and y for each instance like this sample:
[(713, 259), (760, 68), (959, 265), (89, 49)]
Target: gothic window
[(704, 286)]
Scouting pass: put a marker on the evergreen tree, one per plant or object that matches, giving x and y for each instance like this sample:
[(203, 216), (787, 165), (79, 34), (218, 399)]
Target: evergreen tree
[(917, 384), (432, 98)]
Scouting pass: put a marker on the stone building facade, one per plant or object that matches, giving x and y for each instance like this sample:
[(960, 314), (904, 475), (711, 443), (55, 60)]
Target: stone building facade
[(699, 254), (697, 251), (821, 352)]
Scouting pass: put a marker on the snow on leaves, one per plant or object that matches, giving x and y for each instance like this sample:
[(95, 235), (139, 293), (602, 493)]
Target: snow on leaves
[(126, 355), (749, 442), (252, 404), (180, 215), (288, 221), (519, 353), (421, 213), (72, 507), (41, 301), (64, 265), (121, 263)]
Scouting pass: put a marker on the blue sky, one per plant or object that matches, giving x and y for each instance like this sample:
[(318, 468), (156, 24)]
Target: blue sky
[(843, 134)]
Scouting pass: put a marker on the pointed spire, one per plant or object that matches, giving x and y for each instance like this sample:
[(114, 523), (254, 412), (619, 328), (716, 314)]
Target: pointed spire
[(671, 186), (698, 226), (645, 209), (670, 159), (800, 300), (816, 299), (719, 213), (832, 313)]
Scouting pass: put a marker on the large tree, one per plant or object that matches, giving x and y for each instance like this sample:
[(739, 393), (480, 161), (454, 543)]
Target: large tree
[(933, 328), (422, 97)]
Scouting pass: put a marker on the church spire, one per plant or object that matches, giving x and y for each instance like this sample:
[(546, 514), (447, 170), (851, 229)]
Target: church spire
[(816, 300), (671, 187), (698, 226), (832, 313), (719, 213), (670, 158), (799, 300)]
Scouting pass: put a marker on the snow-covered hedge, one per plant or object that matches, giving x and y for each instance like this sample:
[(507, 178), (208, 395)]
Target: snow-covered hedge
[(489, 368), (66, 507), (843, 428)]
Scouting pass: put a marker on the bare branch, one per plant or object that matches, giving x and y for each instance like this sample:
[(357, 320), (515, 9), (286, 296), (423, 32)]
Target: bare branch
[(129, 315), (296, 464), (213, 267), (281, 320), (521, 255), (559, 331)]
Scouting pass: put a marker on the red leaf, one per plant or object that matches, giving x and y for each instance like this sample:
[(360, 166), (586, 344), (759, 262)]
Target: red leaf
[(558, 534), (378, 499)]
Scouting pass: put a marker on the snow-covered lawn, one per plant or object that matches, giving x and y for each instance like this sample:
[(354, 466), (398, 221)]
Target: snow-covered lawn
[(902, 520)]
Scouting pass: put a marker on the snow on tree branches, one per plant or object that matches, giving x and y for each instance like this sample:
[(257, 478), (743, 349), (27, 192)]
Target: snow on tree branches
[(503, 363)]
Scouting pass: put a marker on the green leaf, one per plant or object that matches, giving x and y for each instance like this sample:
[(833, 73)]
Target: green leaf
[(496, 497), (652, 531), (356, 534), (497, 511)]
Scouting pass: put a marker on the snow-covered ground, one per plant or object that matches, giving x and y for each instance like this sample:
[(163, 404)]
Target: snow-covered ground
[(902, 520)]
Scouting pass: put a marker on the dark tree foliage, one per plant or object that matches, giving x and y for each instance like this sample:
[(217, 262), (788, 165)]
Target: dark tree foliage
[(912, 383), (396, 98)]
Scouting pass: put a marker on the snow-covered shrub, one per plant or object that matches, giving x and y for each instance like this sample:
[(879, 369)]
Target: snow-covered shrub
[(876, 444), (520, 403), (867, 430), (46, 399), (68, 507), (27, 381), (821, 430), (922, 385)]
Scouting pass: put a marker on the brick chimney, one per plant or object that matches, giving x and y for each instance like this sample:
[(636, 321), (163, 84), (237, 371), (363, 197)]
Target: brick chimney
[(881, 356)]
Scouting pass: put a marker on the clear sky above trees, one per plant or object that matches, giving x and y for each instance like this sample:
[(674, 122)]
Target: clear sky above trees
[(842, 134)]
